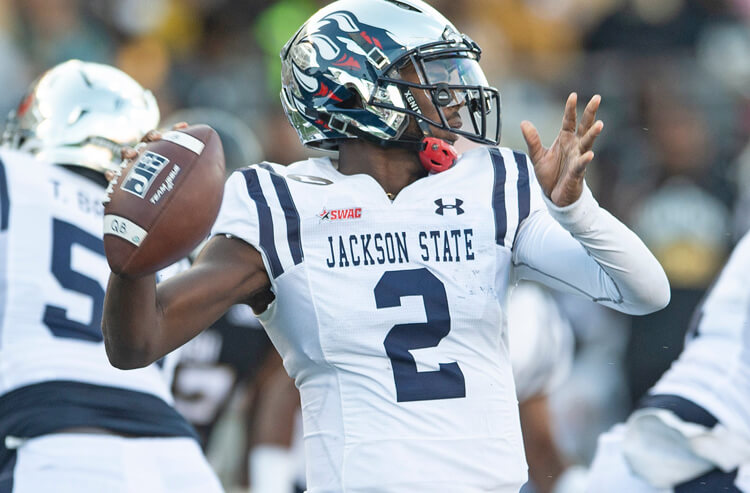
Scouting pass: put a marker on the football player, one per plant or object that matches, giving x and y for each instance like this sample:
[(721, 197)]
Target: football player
[(541, 353), (691, 431), (380, 277), (69, 421)]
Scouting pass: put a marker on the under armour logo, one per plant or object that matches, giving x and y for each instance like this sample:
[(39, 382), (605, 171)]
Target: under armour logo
[(456, 206)]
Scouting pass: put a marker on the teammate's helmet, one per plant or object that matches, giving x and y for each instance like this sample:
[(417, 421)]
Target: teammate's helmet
[(81, 114), (340, 75)]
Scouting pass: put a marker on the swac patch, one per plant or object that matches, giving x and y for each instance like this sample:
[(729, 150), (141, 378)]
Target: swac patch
[(143, 174), (310, 180), (340, 214)]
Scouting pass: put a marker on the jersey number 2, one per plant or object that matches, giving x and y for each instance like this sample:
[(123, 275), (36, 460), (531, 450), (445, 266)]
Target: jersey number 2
[(411, 384), (64, 236)]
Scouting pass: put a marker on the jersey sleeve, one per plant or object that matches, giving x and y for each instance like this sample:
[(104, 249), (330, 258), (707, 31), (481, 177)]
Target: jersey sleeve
[(585, 250), (258, 208), (536, 200)]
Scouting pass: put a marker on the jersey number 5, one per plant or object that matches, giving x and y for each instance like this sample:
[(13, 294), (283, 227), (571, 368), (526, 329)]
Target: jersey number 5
[(64, 236), (411, 384)]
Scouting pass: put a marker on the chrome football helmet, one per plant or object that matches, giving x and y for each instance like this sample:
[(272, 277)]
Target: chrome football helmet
[(81, 114), (341, 75)]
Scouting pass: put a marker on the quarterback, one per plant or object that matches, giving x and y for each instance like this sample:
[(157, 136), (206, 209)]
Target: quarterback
[(69, 421), (388, 314)]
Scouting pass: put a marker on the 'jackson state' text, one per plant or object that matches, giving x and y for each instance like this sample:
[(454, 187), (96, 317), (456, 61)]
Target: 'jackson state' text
[(352, 250)]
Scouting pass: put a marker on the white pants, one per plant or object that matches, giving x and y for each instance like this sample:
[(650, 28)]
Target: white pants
[(88, 463), (611, 473)]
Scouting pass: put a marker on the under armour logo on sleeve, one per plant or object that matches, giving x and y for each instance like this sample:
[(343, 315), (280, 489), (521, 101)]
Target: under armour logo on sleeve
[(442, 207)]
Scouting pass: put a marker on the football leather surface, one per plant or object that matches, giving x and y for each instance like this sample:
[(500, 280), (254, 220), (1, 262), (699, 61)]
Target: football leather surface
[(163, 204)]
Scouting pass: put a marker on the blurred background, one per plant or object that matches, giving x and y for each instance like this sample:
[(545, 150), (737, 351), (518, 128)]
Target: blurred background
[(673, 161)]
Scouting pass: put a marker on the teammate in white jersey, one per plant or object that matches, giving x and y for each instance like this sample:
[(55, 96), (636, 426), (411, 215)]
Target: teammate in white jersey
[(541, 354), (69, 421), (381, 277), (691, 432)]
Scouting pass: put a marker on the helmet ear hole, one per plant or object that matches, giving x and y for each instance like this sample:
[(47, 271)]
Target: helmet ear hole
[(353, 102)]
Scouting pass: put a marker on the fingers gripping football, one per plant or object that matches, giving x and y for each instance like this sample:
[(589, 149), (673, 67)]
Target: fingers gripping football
[(164, 199)]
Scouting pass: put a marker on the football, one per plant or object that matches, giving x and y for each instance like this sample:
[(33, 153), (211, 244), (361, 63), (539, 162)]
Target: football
[(164, 202)]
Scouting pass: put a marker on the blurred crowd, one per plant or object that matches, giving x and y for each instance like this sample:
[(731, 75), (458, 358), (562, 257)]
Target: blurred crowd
[(673, 162)]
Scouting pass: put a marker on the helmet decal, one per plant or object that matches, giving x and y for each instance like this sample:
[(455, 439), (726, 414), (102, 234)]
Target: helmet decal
[(348, 61), (345, 21), (325, 92), (25, 104), (325, 46), (333, 36), (310, 84)]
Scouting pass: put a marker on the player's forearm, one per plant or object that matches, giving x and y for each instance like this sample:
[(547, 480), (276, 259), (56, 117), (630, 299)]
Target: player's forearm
[(545, 461), (637, 274), (129, 321), (606, 261)]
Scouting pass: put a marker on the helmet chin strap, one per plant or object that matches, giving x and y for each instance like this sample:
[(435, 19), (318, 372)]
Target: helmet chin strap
[(435, 154)]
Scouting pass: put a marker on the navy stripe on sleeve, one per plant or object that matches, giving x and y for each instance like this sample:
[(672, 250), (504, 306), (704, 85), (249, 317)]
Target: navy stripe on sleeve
[(498, 197), (7, 467), (290, 215), (266, 166), (685, 409), (265, 221), (4, 199), (524, 200), (715, 480)]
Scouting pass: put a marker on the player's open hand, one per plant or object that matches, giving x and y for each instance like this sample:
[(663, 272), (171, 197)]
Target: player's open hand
[(561, 167)]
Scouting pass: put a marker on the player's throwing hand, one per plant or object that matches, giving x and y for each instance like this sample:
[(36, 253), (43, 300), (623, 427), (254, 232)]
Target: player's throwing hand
[(561, 167)]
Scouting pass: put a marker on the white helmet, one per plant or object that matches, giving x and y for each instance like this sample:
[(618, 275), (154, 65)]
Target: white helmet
[(81, 114)]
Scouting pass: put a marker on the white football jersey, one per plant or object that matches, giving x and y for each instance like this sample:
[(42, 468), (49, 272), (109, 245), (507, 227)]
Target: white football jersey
[(53, 275), (541, 341), (713, 369), (389, 314)]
